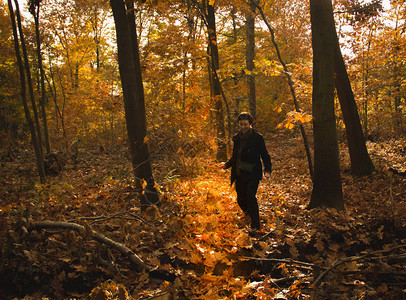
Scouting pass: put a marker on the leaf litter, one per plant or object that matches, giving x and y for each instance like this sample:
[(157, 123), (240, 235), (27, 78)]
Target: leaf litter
[(199, 235)]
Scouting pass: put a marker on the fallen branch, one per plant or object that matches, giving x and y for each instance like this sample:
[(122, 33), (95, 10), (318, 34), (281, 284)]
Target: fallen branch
[(269, 233), (134, 259), (365, 272), (353, 258), (284, 261)]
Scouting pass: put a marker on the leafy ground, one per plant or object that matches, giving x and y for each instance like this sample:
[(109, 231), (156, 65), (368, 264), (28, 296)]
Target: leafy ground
[(198, 234)]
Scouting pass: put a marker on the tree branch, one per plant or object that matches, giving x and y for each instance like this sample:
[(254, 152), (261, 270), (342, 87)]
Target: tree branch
[(290, 83), (353, 258), (134, 259), (284, 261)]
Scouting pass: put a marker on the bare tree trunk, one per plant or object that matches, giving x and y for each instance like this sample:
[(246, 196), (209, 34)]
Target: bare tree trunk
[(365, 83), (190, 18), (250, 57), (215, 85), (34, 137), (327, 189), (34, 9), (361, 163), (134, 102), (291, 86), (29, 79)]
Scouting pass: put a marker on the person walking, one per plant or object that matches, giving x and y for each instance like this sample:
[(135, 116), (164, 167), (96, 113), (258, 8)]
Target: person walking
[(246, 167)]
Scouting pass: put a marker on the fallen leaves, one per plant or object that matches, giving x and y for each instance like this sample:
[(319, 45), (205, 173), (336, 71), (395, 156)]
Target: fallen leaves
[(199, 234)]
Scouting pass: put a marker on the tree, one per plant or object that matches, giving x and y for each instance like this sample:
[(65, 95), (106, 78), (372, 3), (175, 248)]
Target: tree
[(291, 86), (134, 102), (34, 10), (327, 189), (11, 115), (361, 163), (250, 56), (215, 85), (34, 131)]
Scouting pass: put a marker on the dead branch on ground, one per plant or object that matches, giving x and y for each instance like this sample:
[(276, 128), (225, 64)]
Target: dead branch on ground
[(134, 259), (368, 256)]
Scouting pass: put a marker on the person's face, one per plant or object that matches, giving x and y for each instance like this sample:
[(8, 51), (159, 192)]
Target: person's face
[(244, 125)]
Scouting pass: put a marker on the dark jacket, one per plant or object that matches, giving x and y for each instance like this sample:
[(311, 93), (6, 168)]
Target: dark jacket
[(253, 151)]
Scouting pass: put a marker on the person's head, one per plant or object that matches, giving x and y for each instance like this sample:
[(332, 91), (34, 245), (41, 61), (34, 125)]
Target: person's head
[(245, 121)]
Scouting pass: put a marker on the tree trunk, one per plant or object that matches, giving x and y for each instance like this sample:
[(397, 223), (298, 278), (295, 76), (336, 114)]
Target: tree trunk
[(327, 190), (134, 102), (35, 13), (34, 137), (291, 86), (29, 78), (361, 163), (250, 57), (365, 83), (215, 85)]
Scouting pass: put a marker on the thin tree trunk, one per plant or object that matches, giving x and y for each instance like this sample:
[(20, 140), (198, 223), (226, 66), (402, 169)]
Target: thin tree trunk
[(361, 163), (215, 86), (34, 137), (62, 111), (35, 13), (366, 85), (58, 112), (191, 36), (29, 79), (397, 79), (223, 95), (250, 57), (327, 189), (134, 102), (291, 86)]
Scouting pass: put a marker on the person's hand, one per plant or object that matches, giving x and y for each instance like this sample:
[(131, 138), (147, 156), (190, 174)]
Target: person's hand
[(222, 165), (267, 175)]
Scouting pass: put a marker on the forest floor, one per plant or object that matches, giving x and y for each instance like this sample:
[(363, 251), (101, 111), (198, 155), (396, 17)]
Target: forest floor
[(198, 241)]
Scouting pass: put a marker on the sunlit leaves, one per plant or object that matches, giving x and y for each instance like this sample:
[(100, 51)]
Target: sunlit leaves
[(109, 290), (294, 118)]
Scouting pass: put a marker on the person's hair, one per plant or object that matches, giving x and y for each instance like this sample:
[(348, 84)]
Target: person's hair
[(245, 116)]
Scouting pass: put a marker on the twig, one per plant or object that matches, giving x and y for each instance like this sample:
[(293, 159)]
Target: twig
[(282, 260), (98, 218), (283, 279), (392, 202), (376, 273), (353, 258), (119, 215), (272, 231)]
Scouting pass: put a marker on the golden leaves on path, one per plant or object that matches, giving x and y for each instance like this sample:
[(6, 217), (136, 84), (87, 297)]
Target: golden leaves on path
[(216, 237)]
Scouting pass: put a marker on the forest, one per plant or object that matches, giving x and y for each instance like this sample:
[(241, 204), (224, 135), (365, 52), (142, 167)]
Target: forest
[(115, 116)]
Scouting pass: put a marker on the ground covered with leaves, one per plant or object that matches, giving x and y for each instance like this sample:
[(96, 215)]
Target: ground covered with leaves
[(197, 242)]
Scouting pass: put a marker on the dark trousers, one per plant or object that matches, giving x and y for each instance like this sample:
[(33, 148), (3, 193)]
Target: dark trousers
[(247, 200)]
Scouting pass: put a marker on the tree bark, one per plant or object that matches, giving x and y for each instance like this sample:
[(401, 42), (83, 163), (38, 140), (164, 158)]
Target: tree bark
[(250, 57), (327, 189), (29, 78), (134, 102), (215, 84), (361, 163), (34, 137), (34, 9)]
